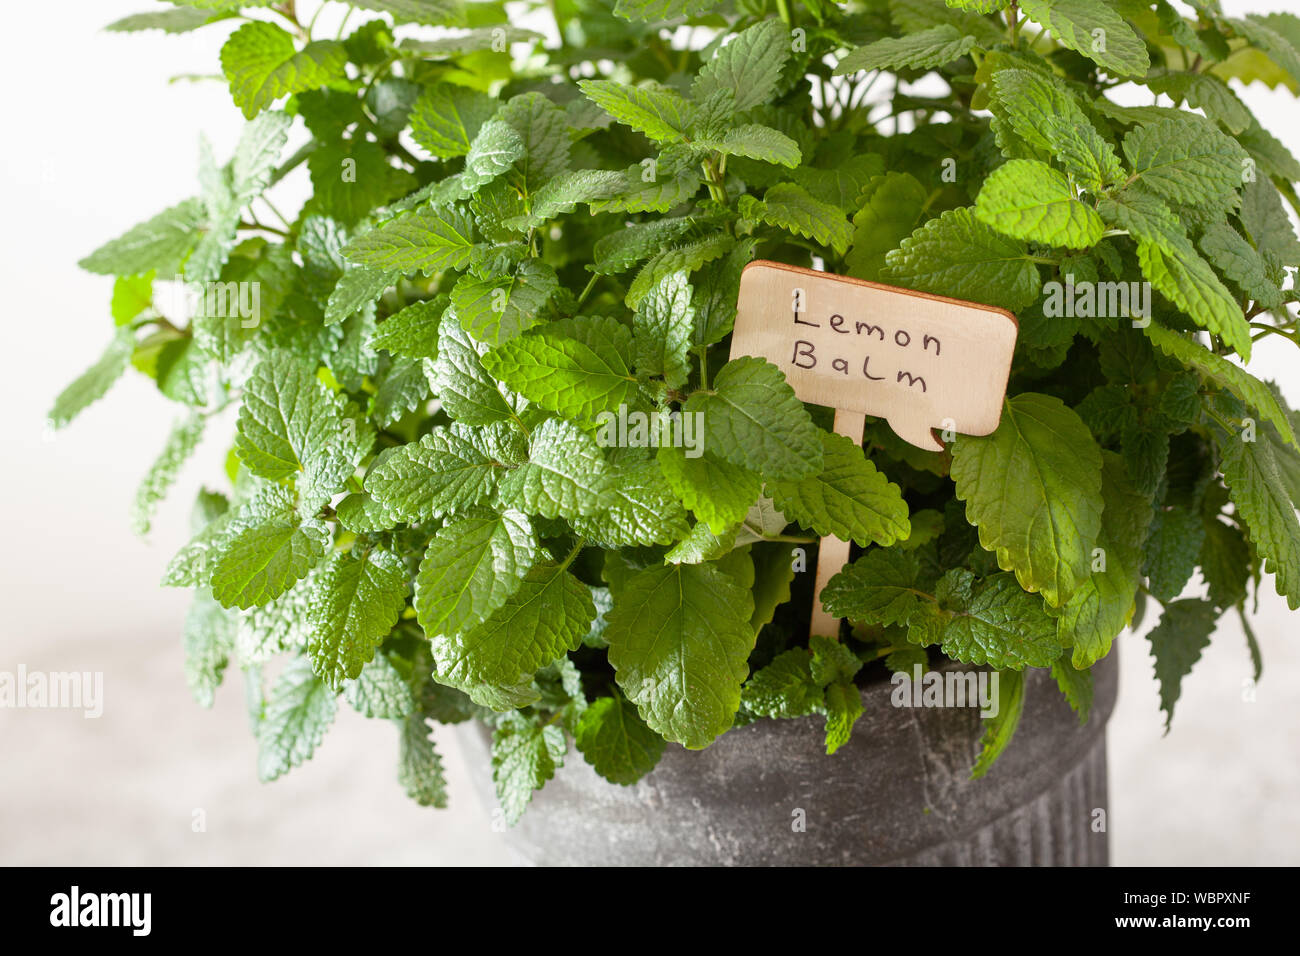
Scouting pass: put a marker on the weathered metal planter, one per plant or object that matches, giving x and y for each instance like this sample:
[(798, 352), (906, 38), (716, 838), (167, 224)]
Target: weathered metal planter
[(899, 793)]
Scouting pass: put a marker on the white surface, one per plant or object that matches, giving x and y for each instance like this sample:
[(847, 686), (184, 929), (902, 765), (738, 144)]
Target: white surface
[(98, 141)]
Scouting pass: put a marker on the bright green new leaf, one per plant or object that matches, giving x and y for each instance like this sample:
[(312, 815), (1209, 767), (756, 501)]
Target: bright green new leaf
[(263, 64), (1031, 200)]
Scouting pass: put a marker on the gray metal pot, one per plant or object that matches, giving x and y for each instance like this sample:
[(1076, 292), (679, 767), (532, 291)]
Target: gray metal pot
[(898, 793)]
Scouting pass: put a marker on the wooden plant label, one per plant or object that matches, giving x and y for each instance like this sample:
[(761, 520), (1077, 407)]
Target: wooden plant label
[(918, 361)]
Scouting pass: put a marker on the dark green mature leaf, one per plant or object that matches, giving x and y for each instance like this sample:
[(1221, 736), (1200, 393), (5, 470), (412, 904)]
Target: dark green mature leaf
[(999, 729), (1171, 550), (1176, 644), (881, 587), (615, 740), (749, 66), (1092, 28), (1033, 488), (679, 638), (784, 688), (564, 476), (924, 50), (1255, 475)]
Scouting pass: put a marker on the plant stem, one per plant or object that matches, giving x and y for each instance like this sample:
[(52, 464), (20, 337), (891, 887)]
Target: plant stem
[(591, 283), (783, 8)]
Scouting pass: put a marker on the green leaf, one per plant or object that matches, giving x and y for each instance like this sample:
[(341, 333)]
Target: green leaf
[(544, 129), (892, 205), (184, 438), (436, 13), (262, 64), (446, 118), (1092, 28), (565, 474), (356, 601), (298, 713), (651, 10), (1031, 200), (498, 308), (1237, 259), (1256, 479), (957, 255), (1045, 114), (843, 708), (717, 492), (659, 112), (832, 661), (544, 619), (431, 240), (290, 426), (159, 245), (789, 207), (662, 329), (1223, 373), (683, 258), (265, 560), (999, 730), (1033, 488), (178, 20), (404, 388), (1187, 160), (1207, 92), (356, 289), (624, 248), (753, 419), (352, 177), (756, 142), (91, 385), (208, 639), (615, 740), (848, 498), (1176, 644), (999, 624), (562, 194), (881, 587), (749, 66), (574, 367), (468, 394), (419, 768), (679, 639), (472, 565), (438, 475), (380, 690), (1225, 563), (784, 688), (1102, 606), (524, 757), (640, 509), (1171, 551), (1075, 685), (924, 50), (412, 332), (496, 148)]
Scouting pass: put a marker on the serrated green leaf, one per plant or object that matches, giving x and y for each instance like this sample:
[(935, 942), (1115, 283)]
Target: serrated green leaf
[(465, 389), (640, 509), (881, 587), (789, 207), (754, 141), (446, 118), (262, 64), (1171, 550), (784, 688), (924, 50), (1031, 200), (419, 768), (1257, 483), (524, 757), (298, 713), (1092, 28), (546, 617), (412, 332), (687, 258), (1186, 160), (498, 308), (208, 639), (659, 112), (1176, 644), (999, 729), (92, 384), (438, 475), (679, 638), (356, 289), (356, 601), (848, 498), (380, 690), (616, 742), (472, 565), (717, 492), (749, 66), (430, 239), (1033, 488), (957, 255), (753, 419), (265, 560), (158, 245), (662, 329), (184, 438), (565, 475), (891, 206), (651, 10), (843, 708)]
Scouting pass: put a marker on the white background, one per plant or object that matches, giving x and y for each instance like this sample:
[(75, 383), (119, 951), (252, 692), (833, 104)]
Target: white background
[(97, 140)]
